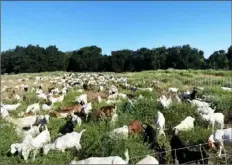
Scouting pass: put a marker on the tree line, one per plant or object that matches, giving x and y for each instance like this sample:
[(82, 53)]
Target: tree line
[(33, 59)]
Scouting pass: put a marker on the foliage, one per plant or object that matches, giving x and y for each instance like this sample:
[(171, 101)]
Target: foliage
[(33, 59)]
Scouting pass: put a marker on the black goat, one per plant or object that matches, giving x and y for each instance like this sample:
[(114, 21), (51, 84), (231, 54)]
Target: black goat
[(190, 96), (195, 156), (25, 88), (184, 155), (177, 153), (68, 127), (41, 122), (133, 89), (193, 94), (50, 89), (150, 136), (85, 86), (161, 154)]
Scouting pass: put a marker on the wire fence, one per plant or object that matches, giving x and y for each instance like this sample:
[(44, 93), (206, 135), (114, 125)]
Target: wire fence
[(187, 147), (205, 81)]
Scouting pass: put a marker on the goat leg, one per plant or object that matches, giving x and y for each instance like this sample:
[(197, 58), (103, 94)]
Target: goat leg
[(78, 147), (220, 152), (212, 127), (35, 152), (86, 117)]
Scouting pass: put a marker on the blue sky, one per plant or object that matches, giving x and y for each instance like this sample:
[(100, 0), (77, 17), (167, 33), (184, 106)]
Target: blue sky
[(116, 25)]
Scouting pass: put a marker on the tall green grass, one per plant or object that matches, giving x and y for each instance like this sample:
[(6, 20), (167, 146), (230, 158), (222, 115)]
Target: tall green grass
[(95, 141)]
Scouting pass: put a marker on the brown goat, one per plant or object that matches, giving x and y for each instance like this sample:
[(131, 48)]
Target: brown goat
[(60, 114), (28, 114), (135, 126), (85, 86), (109, 111), (75, 108), (100, 114), (11, 94)]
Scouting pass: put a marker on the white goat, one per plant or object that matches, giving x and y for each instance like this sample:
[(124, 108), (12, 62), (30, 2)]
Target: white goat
[(56, 99), (164, 101), (198, 103), (113, 96), (220, 135), (140, 97), (174, 90), (122, 95), (66, 141), (38, 91), (42, 96), (213, 118), (186, 93), (82, 98), (101, 88), (205, 110), (146, 89), (87, 108), (113, 90), (17, 147), (10, 107), (4, 113), (34, 108), (121, 132), (148, 160), (186, 124), (33, 131), (64, 90), (46, 107), (160, 123), (76, 119), (27, 121), (104, 160), (226, 89), (36, 144)]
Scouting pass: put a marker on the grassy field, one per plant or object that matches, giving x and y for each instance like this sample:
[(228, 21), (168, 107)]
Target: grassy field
[(95, 141)]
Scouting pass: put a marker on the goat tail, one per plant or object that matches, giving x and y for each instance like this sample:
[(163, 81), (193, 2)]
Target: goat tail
[(8, 150), (82, 131), (214, 108), (126, 153)]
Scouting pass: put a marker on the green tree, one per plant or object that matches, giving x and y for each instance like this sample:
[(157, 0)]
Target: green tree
[(218, 60)]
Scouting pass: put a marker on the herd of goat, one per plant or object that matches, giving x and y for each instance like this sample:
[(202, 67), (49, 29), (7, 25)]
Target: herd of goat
[(32, 127)]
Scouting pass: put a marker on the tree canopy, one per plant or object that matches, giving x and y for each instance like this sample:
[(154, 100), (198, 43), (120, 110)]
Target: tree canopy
[(90, 58)]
